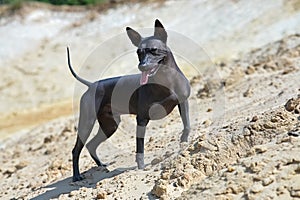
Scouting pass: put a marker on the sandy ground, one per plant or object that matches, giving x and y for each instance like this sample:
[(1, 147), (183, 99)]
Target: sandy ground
[(245, 124), (250, 152), (33, 44)]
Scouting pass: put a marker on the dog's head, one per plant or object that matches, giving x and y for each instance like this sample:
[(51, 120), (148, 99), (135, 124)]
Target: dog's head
[(152, 51)]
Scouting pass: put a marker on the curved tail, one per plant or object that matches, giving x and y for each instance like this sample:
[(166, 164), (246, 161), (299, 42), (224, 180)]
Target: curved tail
[(85, 82)]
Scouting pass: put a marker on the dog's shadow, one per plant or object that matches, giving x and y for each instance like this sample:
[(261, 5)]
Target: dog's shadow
[(91, 178)]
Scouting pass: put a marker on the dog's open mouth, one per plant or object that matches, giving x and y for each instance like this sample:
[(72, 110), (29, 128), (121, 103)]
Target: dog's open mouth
[(146, 74)]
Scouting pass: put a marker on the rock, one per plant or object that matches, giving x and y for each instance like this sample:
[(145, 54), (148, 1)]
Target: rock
[(102, 195), (248, 93), (164, 125), (207, 123), (9, 171), (230, 168), (195, 80), (254, 118), (48, 139), (160, 188), (246, 131), (274, 119), (288, 70), (209, 110), (222, 64), (256, 188), (184, 181), (203, 92), (295, 193), (185, 153), (267, 181), (270, 66), (256, 127), (260, 149), (156, 161), (250, 70), (236, 189), (21, 165), (293, 105), (165, 175), (268, 125), (290, 106), (72, 193)]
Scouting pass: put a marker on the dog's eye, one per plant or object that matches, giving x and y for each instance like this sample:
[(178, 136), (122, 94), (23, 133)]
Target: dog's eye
[(153, 50)]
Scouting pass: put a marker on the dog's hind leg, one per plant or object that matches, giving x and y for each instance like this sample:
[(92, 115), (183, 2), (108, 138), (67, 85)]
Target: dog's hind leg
[(108, 125), (75, 153), (87, 118), (93, 144)]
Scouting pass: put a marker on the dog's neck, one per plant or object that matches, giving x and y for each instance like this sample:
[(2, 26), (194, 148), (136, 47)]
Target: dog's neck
[(169, 65)]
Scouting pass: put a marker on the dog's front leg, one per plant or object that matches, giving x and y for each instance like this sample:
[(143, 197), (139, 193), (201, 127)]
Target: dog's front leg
[(140, 137), (184, 114)]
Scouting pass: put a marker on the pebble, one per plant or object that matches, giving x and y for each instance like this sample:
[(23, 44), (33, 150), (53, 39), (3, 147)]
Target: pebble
[(268, 125), (293, 105), (156, 161), (260, 149), (160, 188), (267, 181), (207, 123), (256, 188), (21, 165), (165, 175), (184, 181), (72, 193), (254, 118), (248, 93), (250, 70), (230, 169), (102, 195), (295, 193)]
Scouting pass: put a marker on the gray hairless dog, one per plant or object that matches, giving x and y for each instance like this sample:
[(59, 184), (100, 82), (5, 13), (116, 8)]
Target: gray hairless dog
[(151, 95)]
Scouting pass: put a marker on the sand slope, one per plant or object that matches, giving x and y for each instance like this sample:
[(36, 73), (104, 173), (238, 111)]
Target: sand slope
[(251, 153), (244, 111), (33, 44)]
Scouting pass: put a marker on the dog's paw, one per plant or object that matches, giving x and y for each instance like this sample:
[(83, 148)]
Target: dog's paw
[(141, 166), (184, 138), (102, 165), (185, 135), (77, 178), (140, 160)]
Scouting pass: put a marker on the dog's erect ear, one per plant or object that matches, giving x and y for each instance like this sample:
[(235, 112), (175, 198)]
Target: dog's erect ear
[(160, 32), (134, 36)]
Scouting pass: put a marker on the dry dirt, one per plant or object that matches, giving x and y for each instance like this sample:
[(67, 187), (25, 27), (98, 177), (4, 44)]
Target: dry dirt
[(245, 134), (250, 151)]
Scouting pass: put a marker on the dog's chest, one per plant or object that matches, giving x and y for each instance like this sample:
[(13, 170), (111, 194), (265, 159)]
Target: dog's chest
[(153, 101)]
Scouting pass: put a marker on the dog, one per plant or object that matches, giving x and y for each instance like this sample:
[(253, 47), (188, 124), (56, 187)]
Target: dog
[(150, 95)]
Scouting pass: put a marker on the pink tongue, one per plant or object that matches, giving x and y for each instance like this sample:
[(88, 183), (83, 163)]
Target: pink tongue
[(144, 78)]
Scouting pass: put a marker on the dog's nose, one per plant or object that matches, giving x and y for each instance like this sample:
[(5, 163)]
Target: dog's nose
[(143, 66)]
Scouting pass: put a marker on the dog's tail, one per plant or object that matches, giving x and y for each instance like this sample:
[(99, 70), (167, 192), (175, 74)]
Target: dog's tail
[(85, 82)]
